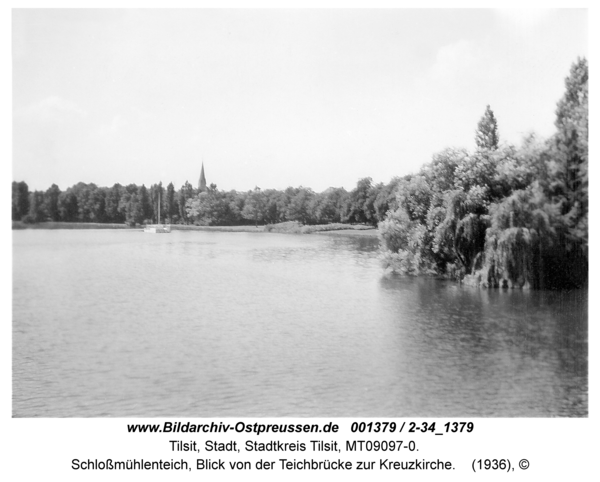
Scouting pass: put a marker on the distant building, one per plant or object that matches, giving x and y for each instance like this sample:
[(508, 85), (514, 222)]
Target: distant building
[(202, 181)]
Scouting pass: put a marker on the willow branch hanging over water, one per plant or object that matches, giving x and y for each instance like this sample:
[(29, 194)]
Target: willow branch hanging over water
[(502, 216)]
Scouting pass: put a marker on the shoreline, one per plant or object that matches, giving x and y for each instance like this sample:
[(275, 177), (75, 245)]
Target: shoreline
[(335, 229)]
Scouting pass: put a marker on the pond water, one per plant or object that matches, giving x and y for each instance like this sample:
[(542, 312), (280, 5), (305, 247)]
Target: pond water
[(118, 323)]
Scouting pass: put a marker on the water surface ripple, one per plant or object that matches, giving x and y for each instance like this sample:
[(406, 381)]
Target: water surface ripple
[(207, 324)]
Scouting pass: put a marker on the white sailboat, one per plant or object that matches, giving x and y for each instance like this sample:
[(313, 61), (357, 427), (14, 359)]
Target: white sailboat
[(158, 228)]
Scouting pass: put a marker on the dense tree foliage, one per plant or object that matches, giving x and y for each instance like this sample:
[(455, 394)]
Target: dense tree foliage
[(502, 216), (255, 206), (36, 208), (20, 200), (113, 208), (212, 207), (135, 205), (51, 197), (170, 204)]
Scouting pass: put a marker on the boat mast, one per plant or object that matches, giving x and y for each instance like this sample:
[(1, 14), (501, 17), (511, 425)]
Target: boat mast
[(159, 205)]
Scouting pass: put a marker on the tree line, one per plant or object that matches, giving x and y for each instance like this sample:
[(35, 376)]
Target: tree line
[(502, 215), (367, 203)]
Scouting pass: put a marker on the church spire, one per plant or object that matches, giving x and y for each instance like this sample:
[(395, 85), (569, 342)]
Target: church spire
[(202, 182)]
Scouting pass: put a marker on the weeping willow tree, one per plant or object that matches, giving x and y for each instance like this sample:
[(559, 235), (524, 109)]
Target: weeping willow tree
[(522, 234), (461, 233), (527, 245), (440, 223), (538, 236)]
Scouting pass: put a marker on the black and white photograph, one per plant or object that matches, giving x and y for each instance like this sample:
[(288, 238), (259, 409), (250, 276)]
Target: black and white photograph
[(299, 213)]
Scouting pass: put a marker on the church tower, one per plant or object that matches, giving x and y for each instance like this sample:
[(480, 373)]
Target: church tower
[(202, 182)]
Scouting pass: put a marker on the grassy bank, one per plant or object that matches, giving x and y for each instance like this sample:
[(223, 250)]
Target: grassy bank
[(294, 227)]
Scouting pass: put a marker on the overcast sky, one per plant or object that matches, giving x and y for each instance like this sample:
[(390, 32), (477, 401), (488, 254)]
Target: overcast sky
[(275, 98)]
